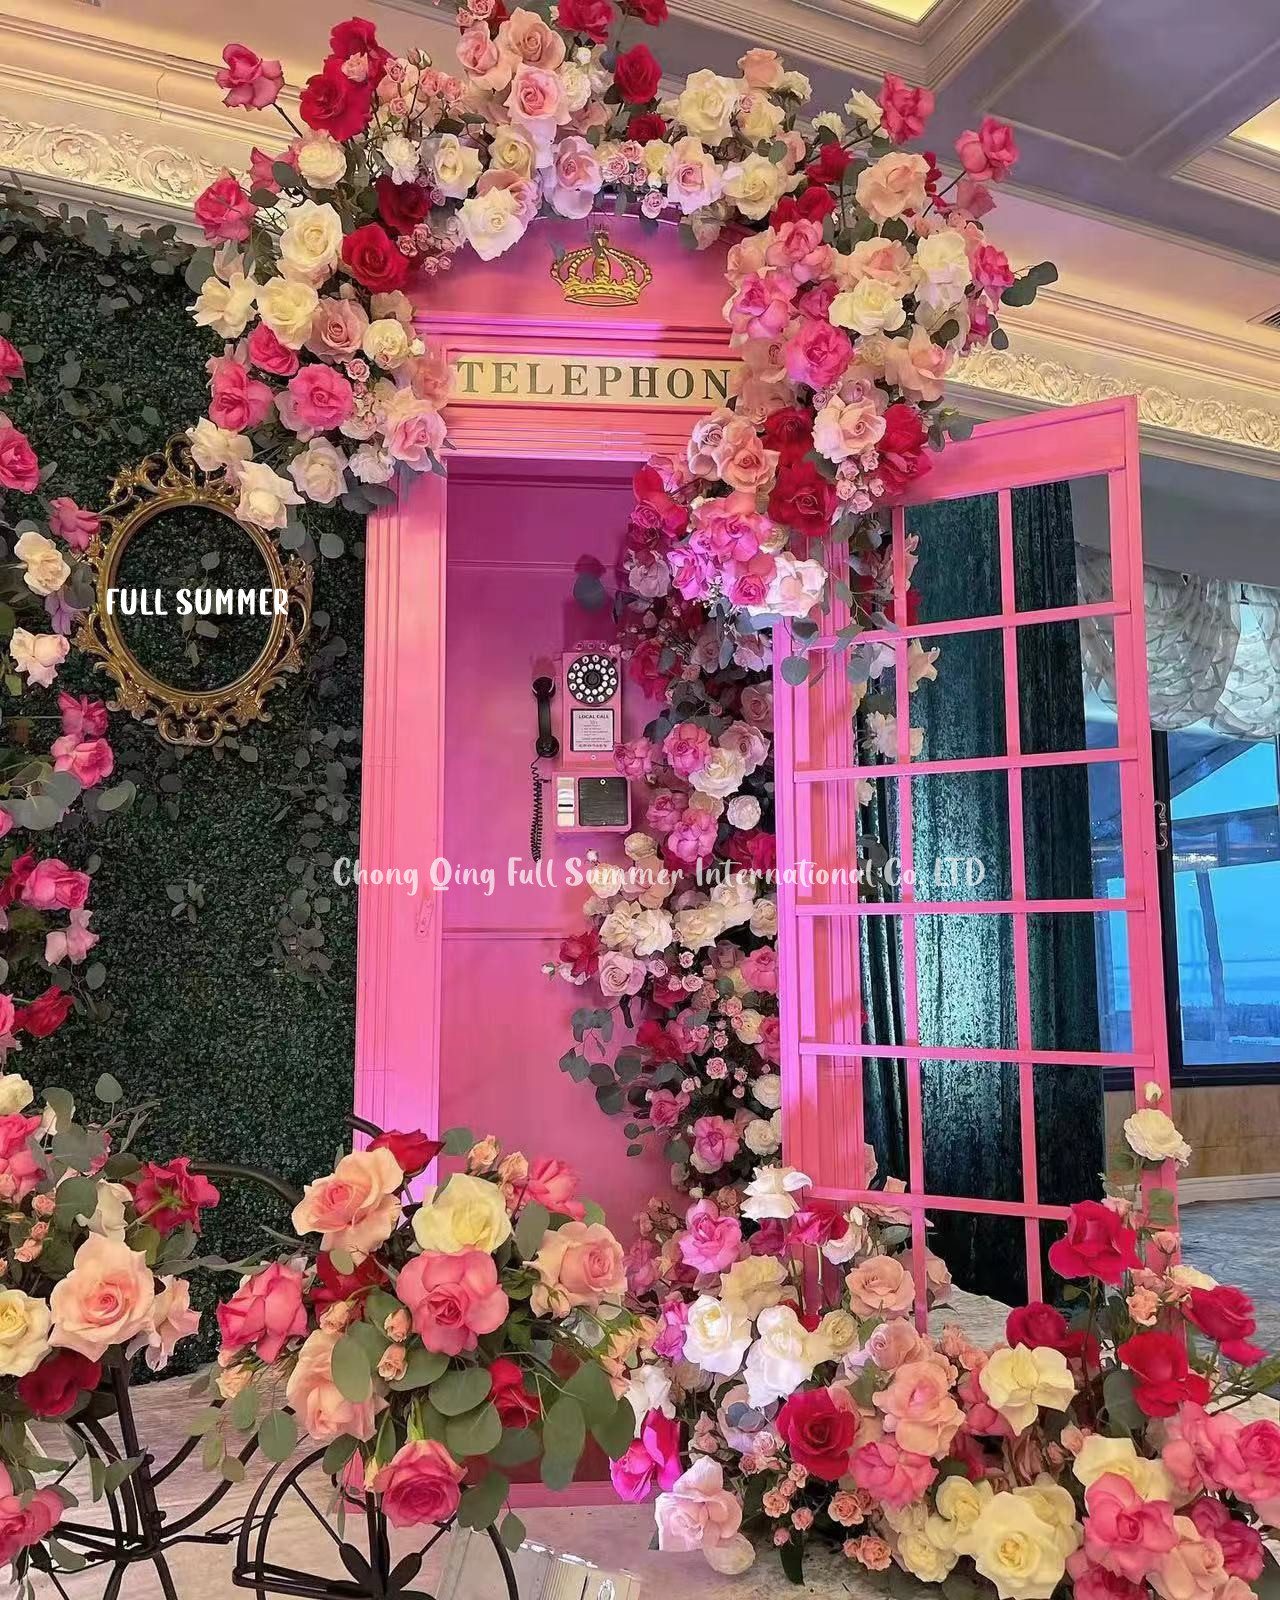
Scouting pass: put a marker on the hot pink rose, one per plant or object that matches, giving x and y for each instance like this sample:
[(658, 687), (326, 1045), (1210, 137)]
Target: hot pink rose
[(19, 468), (687, 748), (67, 521), (710, 1241), (356, 1206), (322, 1411), (419, 1484), (554, 1184), (172, 1196), (652, 1462), (248, 79), (697, 1512), (225, 211), (991, 270), (239, 400), (1123, 1532), (20, 1171), (692, 837), (269, 355), (1241, 1545), (1091, 1582), (760, 970), (454, 1298), (818, 354), (266, 1311), (320, 398), (990, 153), (25, 1524), (894, 1476), (11, 365), (90, 760), (82, 717), (769, 1044), (715, 1143), (666, 1108), (53, 883), (906, 110), (1253, 1468)]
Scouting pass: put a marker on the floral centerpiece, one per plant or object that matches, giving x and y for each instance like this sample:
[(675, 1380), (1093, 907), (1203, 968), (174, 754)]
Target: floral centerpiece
[(427, 1346), (96, 1242), (1103, 1447)]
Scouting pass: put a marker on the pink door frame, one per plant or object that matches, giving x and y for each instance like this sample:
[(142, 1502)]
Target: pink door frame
[(822, 1013)]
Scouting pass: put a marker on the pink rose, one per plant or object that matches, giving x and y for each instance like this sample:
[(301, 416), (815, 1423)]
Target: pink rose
[(554, 1184), (318, 1403), (579, 1264), (880, 1287), (990, 153), (419, 1484), (1192, 1569), (818, 354), (11, 365), (574, 179), (687, 748), (453, 1299), (20, 1170), (991, 270), (239, 400), (1123, 1532), (1241, 1545), (225, 211), (248, 79), (266, 1311), (337, 329), (715, 1143), (620, 974), (172, 1320), (919, 1409), (756, 705), (666, 1108), (72, 943), (172, 1196), (760, 970), (19, 468), (652, 1462), (710, 1241), (269, 355), (356, 1206), (761, 307), (894, 1343), (320, 398), (894, 1476), (53, 884), (528, 38), (81, 716), (769, 1044), (697, 1512), (634, 759), (104, 1300), (414, 438), (906, 110), (1200, 1448), (537, 98), (90, 760), (1252, 1468), (25, 1521), (747, 466), (67, 521), (692, 837), (1092, 1582)]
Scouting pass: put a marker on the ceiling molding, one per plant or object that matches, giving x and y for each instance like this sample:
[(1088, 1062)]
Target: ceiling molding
[(1234, 167), (131, 177)]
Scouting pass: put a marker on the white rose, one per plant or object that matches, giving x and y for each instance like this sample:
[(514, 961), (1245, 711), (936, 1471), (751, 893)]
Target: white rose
[(753, 1284), (454, 166), (401, 157), (744, 811), (771, 1193), (795, 83), (15, 1094), (716, 1337), (288, 307), (861, 106), (649, 1389), (782, 1358), (872, 306), (310, 243), (44, 568), (758, 118), (225, 307), (618, 930), (731, 1557), (795, 588), (491, 223), (512, 150), (747, 1025), (760, 1137), (386, 343), (1189, 1277), (24, 1333), (652, 932), (764, 919), (319, 472), (639, 846), (706, 105), (942, 269), (213, 448), (698, 926), (322, 161), (722, 775), (371, 465), (767, 1091), (265, 496), (734, 901), (1152, 1135)]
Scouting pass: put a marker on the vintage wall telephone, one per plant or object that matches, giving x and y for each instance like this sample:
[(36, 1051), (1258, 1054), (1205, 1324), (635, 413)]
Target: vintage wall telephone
[(590, 796)]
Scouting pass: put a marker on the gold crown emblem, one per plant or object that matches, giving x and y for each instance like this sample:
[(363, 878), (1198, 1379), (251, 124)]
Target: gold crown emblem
[(599, 275)]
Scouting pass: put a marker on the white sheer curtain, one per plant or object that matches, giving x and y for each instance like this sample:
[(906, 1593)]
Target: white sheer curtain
[(1213, 648)]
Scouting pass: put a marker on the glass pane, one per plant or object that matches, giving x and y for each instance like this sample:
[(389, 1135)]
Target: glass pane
[(958, 570)]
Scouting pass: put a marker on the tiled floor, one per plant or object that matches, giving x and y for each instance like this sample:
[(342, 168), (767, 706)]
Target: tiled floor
[(1238, 1242)]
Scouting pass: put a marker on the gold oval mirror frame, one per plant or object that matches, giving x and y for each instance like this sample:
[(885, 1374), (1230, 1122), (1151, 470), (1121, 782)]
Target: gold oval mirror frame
[(164, 482)]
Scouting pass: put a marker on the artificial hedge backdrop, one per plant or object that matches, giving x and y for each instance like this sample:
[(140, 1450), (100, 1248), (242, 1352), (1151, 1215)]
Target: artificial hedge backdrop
[(229, 953)]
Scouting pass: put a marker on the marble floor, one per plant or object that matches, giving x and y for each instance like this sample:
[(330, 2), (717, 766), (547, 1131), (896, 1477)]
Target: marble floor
[(1238, 1242)]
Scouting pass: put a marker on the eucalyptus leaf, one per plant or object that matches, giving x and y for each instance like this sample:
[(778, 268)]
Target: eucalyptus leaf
[(350, 1370), (460, 1391)]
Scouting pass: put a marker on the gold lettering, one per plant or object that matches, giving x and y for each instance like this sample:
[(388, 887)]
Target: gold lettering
[(650, 377), (715, 381), (606, 378), (575, 378), (685, 388), (468, 370), (533, 383), (694, 384), (504, 377)]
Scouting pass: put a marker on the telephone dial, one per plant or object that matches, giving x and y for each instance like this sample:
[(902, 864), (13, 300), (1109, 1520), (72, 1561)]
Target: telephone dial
[(589, 794)]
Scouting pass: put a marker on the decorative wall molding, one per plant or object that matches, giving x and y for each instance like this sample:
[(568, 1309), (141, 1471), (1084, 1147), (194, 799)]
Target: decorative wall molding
[(121, 165)]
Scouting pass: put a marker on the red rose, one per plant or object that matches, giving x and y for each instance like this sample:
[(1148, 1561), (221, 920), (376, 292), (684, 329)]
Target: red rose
[(789, 431), (902, 447), (330, 1285), (58, 1382), (402, 206), (171, 1195), (830, 165), (1097, 1243), (1039, 1324), (812, 206), (592, 17), (645, 125), (671, 516), (514, 1404), (1226, 1316), (581, 953), (1165, 1380), (359, 38), (413, 1152), (373, 260), (331, 103), (224, 210), (803, 500), (818, 1432), (818, 1223), (637, 74), (45, 1015), (654, 12)]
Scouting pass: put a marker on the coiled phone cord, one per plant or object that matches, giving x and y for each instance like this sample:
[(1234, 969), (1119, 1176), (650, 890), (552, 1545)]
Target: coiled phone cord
[(535, 825)]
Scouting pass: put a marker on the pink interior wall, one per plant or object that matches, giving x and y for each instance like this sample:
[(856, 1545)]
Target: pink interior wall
[(516, 533)]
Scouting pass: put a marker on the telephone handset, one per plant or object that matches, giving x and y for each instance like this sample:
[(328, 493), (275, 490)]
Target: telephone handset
[(590, 796), (546, 748)]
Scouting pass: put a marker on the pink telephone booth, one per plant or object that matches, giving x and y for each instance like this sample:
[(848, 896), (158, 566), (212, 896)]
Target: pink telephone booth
[(588, 347)]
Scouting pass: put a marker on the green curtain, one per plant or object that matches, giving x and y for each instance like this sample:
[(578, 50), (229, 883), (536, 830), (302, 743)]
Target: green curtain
[(965, 963)]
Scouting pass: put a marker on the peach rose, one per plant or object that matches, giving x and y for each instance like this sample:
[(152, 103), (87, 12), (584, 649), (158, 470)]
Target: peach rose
[(356, 1206), (580, 1264), (892, 186), (104, 1300), (845, 428), (746, 464), (528, 38), (319, 1403), (894, 1343), (919, 1408), (880, 1286)]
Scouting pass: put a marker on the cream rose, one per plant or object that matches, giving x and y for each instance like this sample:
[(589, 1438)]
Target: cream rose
[(322, 161), (225, 307), (772, 1193), (795, 588), (1019, 1381), (1016, 1549), (355, 1207), (872, 306), (706, 105), (16, 1094), (1056, 1507), (288, 307), (455, 166), (1149, 1134), (764, 919), (837, 1334), (782, 1358), (923, 1559), (716, 1336), (579, 1264), (892, 186), (755, 184), (264, 496), (761, 1137), (942, 269), (466, 1214), (491, 223), (214, 448), (758, 118), (310, 243), (104, 1300), (44, 569), (320, 472), (511, 150), (24, 1333), (722, 775), (958, 1504), (1100, 1454), (753, 1284), (38, 655), (698, 926)]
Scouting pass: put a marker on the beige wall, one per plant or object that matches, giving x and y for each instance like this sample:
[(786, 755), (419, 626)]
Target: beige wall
[(1230, 1130)]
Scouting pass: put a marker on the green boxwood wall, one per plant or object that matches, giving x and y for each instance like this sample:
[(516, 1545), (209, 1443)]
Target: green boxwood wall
[(251, 1060)]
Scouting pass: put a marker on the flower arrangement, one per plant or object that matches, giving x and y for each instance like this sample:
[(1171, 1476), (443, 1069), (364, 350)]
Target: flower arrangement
[(1102, 1446), (96, 1242), (429, 1345)]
